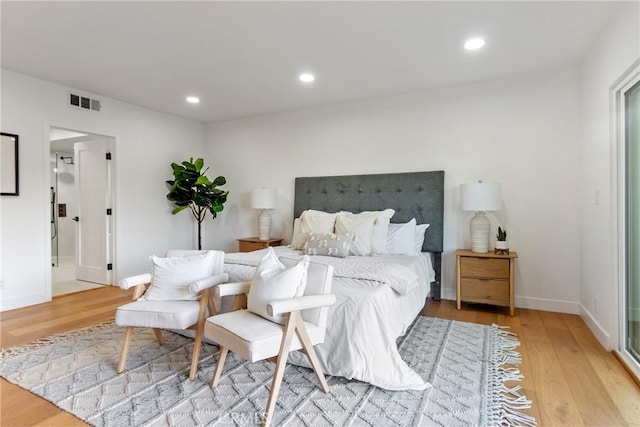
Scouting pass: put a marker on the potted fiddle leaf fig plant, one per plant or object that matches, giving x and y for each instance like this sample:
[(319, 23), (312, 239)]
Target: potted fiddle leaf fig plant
[(191, 189), (501, 239)]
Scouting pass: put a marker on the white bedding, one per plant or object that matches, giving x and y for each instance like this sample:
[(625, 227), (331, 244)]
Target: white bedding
[(377, 298)]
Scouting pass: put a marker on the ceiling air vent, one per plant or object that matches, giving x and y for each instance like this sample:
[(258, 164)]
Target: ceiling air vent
[(83, 102)]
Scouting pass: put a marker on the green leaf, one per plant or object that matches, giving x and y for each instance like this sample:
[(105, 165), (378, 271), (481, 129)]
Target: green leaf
[(179, 209), (221, 180), (188, 165), (198, 164), (217, 206), (203, 180)]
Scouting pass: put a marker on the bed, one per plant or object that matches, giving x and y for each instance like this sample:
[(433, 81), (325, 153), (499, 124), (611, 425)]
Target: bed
[(378, 297)]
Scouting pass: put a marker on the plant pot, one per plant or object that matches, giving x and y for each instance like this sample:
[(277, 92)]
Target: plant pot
[(502, 245)]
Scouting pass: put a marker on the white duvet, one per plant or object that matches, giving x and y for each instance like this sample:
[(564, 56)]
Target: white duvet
[(377, 298)]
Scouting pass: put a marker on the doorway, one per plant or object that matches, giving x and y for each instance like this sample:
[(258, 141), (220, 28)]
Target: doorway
[(81, 210), (627, 131)]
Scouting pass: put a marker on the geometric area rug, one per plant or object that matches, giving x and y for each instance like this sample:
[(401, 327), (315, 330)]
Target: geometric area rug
[(468, 365)]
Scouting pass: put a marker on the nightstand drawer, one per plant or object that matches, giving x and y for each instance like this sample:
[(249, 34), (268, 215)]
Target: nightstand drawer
[(252, 246), (486, 291), (249, 244), (484, 267)]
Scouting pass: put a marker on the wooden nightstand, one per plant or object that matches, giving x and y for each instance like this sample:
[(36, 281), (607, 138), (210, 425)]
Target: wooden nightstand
[(485, 278), (249, 244)]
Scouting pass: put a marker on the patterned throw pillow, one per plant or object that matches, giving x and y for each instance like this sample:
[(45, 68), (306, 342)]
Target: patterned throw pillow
[(329, 244), (311, 221)]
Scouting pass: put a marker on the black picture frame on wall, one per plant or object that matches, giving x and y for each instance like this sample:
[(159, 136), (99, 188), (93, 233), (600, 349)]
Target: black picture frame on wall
[(10, 176)]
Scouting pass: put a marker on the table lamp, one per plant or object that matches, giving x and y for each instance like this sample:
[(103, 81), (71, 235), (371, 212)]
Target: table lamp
[(264, 199), (480, 197)]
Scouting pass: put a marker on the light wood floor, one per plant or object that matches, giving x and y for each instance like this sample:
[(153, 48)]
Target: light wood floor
[(569, 377)]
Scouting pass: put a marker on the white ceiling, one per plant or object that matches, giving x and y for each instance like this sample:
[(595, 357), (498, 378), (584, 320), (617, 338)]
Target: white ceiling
[(243, 58)]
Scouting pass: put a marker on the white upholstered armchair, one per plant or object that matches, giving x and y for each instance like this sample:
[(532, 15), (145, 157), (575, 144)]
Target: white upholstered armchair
[(254, 337), (176, 295)]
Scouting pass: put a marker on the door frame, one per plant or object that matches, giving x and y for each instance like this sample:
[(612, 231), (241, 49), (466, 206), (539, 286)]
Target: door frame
[(113, 142), (628, 79)]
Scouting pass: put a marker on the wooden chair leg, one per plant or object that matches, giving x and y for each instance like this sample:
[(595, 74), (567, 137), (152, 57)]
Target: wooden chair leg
[(195, 358), (218, 372), (158, 335), (125, 349), (308, 348), (281, 364)]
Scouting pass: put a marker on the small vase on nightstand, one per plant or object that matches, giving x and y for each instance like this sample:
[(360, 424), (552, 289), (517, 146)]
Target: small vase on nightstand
[(502, 247)]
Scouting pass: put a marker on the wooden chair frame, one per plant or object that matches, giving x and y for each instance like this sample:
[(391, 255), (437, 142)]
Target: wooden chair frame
[(294, 325), (206, 304)]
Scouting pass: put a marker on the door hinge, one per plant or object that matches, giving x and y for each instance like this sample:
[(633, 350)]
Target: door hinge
[(109, 266), (109, 211), (108, 156)]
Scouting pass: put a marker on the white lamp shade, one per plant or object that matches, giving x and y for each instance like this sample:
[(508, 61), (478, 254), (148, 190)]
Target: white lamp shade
[(264, 198), (480, 197)]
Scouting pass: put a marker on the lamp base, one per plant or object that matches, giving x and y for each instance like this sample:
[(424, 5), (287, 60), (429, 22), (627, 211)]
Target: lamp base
[(264, 224), (480, 230)]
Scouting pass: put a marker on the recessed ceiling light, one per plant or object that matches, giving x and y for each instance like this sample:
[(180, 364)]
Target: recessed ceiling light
[(193, 99), (307, 78), (473, 44)]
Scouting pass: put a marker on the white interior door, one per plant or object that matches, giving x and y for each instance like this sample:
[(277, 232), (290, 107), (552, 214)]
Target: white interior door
[(93, 236)]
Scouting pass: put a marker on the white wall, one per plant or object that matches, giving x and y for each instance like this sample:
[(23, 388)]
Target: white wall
[(614, 52), (146, 143), (520, 131)]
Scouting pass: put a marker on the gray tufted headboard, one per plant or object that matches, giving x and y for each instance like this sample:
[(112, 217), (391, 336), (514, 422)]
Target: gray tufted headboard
[(418, 195)]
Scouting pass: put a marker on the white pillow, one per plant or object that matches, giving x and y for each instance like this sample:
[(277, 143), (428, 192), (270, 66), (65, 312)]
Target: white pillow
[(380, 229), (407, 238), (361, 226), (420, 230), (171, 277), (311, 221), (298, 238), (401, 238), (273, 281)]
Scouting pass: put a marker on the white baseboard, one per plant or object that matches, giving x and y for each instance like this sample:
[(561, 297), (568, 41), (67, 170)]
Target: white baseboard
[(532, 303), (557, 306), (545, 304), (597, 330)]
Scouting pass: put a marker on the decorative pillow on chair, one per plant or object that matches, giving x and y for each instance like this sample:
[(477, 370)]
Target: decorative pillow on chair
[(330, 244), (273, 281), (171, 277)]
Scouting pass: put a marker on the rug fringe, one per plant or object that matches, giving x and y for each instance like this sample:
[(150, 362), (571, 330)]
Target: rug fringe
[(52, 339), (509, 402)]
